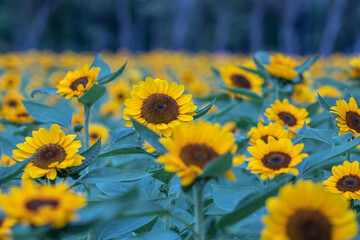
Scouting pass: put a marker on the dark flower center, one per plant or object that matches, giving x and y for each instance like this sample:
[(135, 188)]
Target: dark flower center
[(197, 154), (266, 137), (288, 118), (94, 135), (276, 160), (308, 224), (21, 115), (83, 81), (35, 204), (159, 108), (120, 96), (349, 183), (13, 103), (240, 81), (353, 120), (47, 155)]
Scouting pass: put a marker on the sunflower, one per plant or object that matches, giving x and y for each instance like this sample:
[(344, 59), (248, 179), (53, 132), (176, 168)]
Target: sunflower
[(11, 101), (10, 80), (119, 91), (50, 151), (111, 109), (46, 204), (18, 115), (148, 147), (306, 211), (239, 78), (96, 131), (159, 106), (349, 116), (287, 114), (193, 145), (78, 118), (282, 67), (6, 224), (264, 132), (355, 67), (329, 91), (6, 160), (345, 180), (76, 83), (275, 157)]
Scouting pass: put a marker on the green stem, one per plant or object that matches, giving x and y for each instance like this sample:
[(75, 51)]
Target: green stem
[(198, 210), (86, 125), (167, 218), (347, 156)]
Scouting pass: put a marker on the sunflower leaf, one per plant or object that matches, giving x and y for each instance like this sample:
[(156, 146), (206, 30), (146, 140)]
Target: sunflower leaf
[(8, 173), (163, 175), (259, 65), (148, 135), (307, 64), (215, 71), (44, 90), (126, 149), (326, 106), (104, 67), (254, 71), (347, 95), (92, 95), (343, 138), (301, 133), (46, 114), (203, 111), (90, 155), (111, 77), (218, 167)]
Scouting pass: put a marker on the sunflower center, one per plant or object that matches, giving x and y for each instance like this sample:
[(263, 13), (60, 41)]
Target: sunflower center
[(48, 154), (120, 96), (353, 120), (94, 135), (266, 137), (159, 108), (349, 183), (240, 81), (22, 115), (80, 81), (288, 118), (35, 204), (276, 160), (12, 103), (308, 224), (197, 154)]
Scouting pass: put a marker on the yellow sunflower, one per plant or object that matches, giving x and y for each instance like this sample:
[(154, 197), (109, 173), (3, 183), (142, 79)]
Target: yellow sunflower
[(264, 132), (275, 157), (96, 131), (193, 145), (111, 109), (239, 78), (18, 115), (119, 91), (6, 224), (6, 160), (46, 204), (76, 83), (328, 91), (148, 147), (306, 211), (287, 114), (345, 180), (349, 116), (282, 67), (78, 118), (11, 101), (50, 151), (355, 67), (159, 106), (10, 80)]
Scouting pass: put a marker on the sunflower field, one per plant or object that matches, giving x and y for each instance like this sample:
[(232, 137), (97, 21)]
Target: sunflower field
[(172, 145)]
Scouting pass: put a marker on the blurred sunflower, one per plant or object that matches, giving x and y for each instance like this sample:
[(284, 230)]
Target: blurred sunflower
[(6, 224), (78, 118), (10, 81), (18, 115), (262, 132), (275, 157), (282, 66), (96, 131), (329, 91), (237, 77), (355, 67), (11, 101), (76, 83), (307, 211), (119, 91), (287, 114), (159, 106), (193, 145), (349, 116), (6, 160), (46, 204), (111, 109), (50, 151), (345, 180)]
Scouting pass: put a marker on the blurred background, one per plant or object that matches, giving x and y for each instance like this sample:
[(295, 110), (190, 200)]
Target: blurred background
[(290, 26)]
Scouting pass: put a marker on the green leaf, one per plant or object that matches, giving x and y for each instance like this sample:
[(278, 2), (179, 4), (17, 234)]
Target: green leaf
[(111, 77), (321, 135), (8, 173), (246, 92), (307, 64), (47, 114), (45, 90), (347, 95), (163, 175), (6, 146), (203, 111), (104, 67), (123, 150), (90, 155), (312, 108), (317, 159), (218, 167), (148, 135), (250, 204), (259, 65), (107, 175), (301, 133), (159, 235), (326, 106), (254, 71), (344, 138), (215, 71), (92, 95), (121, 133)]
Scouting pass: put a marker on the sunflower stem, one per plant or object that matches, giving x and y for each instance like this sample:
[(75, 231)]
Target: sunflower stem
[(86, 125), (198, 210)]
